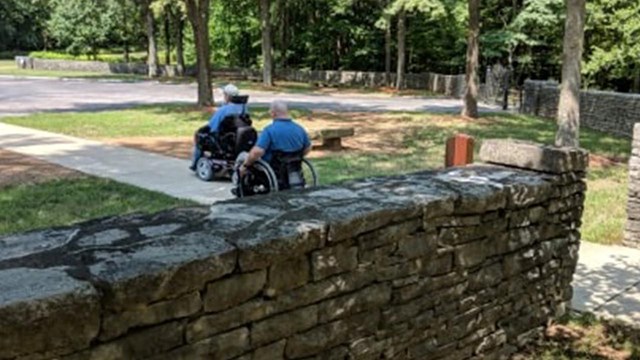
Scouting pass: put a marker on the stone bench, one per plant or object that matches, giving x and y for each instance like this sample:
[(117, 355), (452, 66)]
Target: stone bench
[(332, 138)]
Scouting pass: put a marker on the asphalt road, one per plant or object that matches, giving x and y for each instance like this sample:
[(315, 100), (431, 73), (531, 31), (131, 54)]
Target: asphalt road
[(30, 95)]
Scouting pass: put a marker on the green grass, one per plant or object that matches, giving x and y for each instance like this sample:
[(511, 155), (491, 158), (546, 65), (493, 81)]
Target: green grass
[(63, 202), (422, 140)]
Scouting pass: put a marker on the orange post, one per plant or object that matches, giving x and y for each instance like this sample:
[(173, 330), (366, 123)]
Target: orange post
[(459, 150)]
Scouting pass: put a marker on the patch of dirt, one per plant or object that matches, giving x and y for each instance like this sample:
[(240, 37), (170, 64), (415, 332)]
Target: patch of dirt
[(374, 133), (597, 161), (179, 147), (20, 169), (593, 341)]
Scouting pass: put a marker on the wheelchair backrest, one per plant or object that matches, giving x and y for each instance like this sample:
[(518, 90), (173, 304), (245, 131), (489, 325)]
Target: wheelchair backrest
[(288, 169), (236, 134)]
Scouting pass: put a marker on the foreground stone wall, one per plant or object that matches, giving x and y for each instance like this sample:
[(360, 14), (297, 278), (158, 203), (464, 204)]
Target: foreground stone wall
[(610, 112), (464, 263), (632, 228)]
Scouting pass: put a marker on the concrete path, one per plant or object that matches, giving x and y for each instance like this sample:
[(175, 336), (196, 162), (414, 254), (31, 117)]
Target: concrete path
[(29, 95), (607, 282), (150, 171)]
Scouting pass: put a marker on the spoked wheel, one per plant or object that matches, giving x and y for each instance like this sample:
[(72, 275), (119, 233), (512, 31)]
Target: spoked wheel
[(204, 169), (310, 174), (259, 180)]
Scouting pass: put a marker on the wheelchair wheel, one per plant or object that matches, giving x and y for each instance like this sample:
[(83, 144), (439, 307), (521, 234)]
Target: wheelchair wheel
[(204, 169), (310, 174), (260, 180)]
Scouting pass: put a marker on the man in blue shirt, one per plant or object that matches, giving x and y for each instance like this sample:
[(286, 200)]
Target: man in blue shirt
[(228, 108), (283, 134)]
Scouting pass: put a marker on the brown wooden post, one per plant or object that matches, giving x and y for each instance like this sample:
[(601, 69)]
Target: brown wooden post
[(459, 151)]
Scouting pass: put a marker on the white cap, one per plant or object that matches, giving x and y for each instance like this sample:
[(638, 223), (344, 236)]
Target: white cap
[(230, 90)]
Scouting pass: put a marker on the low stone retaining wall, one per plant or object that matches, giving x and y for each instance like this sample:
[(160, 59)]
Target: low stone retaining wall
[(632, 228), (464, 263), (450, 85), (610, 112), (25, 62)]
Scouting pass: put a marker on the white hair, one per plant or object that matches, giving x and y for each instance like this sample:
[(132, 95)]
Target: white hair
[(279, 107)]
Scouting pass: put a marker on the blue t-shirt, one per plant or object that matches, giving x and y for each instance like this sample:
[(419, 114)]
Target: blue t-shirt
[(224, 111), (282, 135)]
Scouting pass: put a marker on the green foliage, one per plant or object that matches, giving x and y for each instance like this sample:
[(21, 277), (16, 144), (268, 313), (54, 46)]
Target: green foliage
[(613, 49), (100, 56), (80, 27), (22, 24)]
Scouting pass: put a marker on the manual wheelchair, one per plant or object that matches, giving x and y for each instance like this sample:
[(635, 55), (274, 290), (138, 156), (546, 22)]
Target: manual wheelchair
[(285, 171)]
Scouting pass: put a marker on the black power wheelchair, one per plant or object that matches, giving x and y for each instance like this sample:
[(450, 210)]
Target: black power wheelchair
[(223, 152), (219, 150)]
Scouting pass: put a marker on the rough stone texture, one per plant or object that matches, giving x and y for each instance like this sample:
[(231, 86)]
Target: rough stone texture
[(611, 112), (531, 156), (463, 263), (232, 291), (38, 303), (632, 228)]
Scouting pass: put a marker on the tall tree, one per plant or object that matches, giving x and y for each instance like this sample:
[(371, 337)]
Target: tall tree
[(387, 50), (152, 48), (267, 48), (198, 14), (167, 35), (470, 108), (80, 27), (402, 53), (569, 106), (178, 20)]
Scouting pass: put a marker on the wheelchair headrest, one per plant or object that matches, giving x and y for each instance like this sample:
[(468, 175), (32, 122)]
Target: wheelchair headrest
[(239, 99)]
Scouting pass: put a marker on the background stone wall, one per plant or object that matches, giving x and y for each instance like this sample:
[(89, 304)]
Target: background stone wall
[(632, 228), (100, 67), (613, 113), (464, 263), (449, 85)]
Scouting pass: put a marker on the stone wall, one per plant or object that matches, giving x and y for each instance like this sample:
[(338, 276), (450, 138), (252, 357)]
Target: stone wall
[(632, 228), (449, 85), (610, 112), (100, 67), (464, 263)]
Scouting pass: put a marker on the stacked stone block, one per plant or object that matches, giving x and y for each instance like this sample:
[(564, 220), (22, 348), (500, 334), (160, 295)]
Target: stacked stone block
[(610, 112), (632, 228), (464, 263)]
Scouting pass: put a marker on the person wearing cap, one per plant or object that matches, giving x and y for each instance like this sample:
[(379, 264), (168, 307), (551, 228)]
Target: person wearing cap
[(228, 108), (283, 134)]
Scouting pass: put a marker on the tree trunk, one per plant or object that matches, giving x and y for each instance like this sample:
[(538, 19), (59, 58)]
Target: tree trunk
[(198, 12), (152, 50), (179, 44), (167, 37), (636, 80), (470, 108), (387, 51), (126, 52), (267, 56), (569, 106), (402, 35)]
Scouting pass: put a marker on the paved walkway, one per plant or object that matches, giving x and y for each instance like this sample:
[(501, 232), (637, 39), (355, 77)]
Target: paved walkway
[(28, 95), (607, 282), (143, 169)]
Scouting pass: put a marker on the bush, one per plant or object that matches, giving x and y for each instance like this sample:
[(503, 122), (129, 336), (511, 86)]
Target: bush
[(102, 56), (10, 55)]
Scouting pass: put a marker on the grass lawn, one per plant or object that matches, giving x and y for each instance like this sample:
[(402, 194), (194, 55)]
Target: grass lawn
[(384, 144), (66, 201)]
